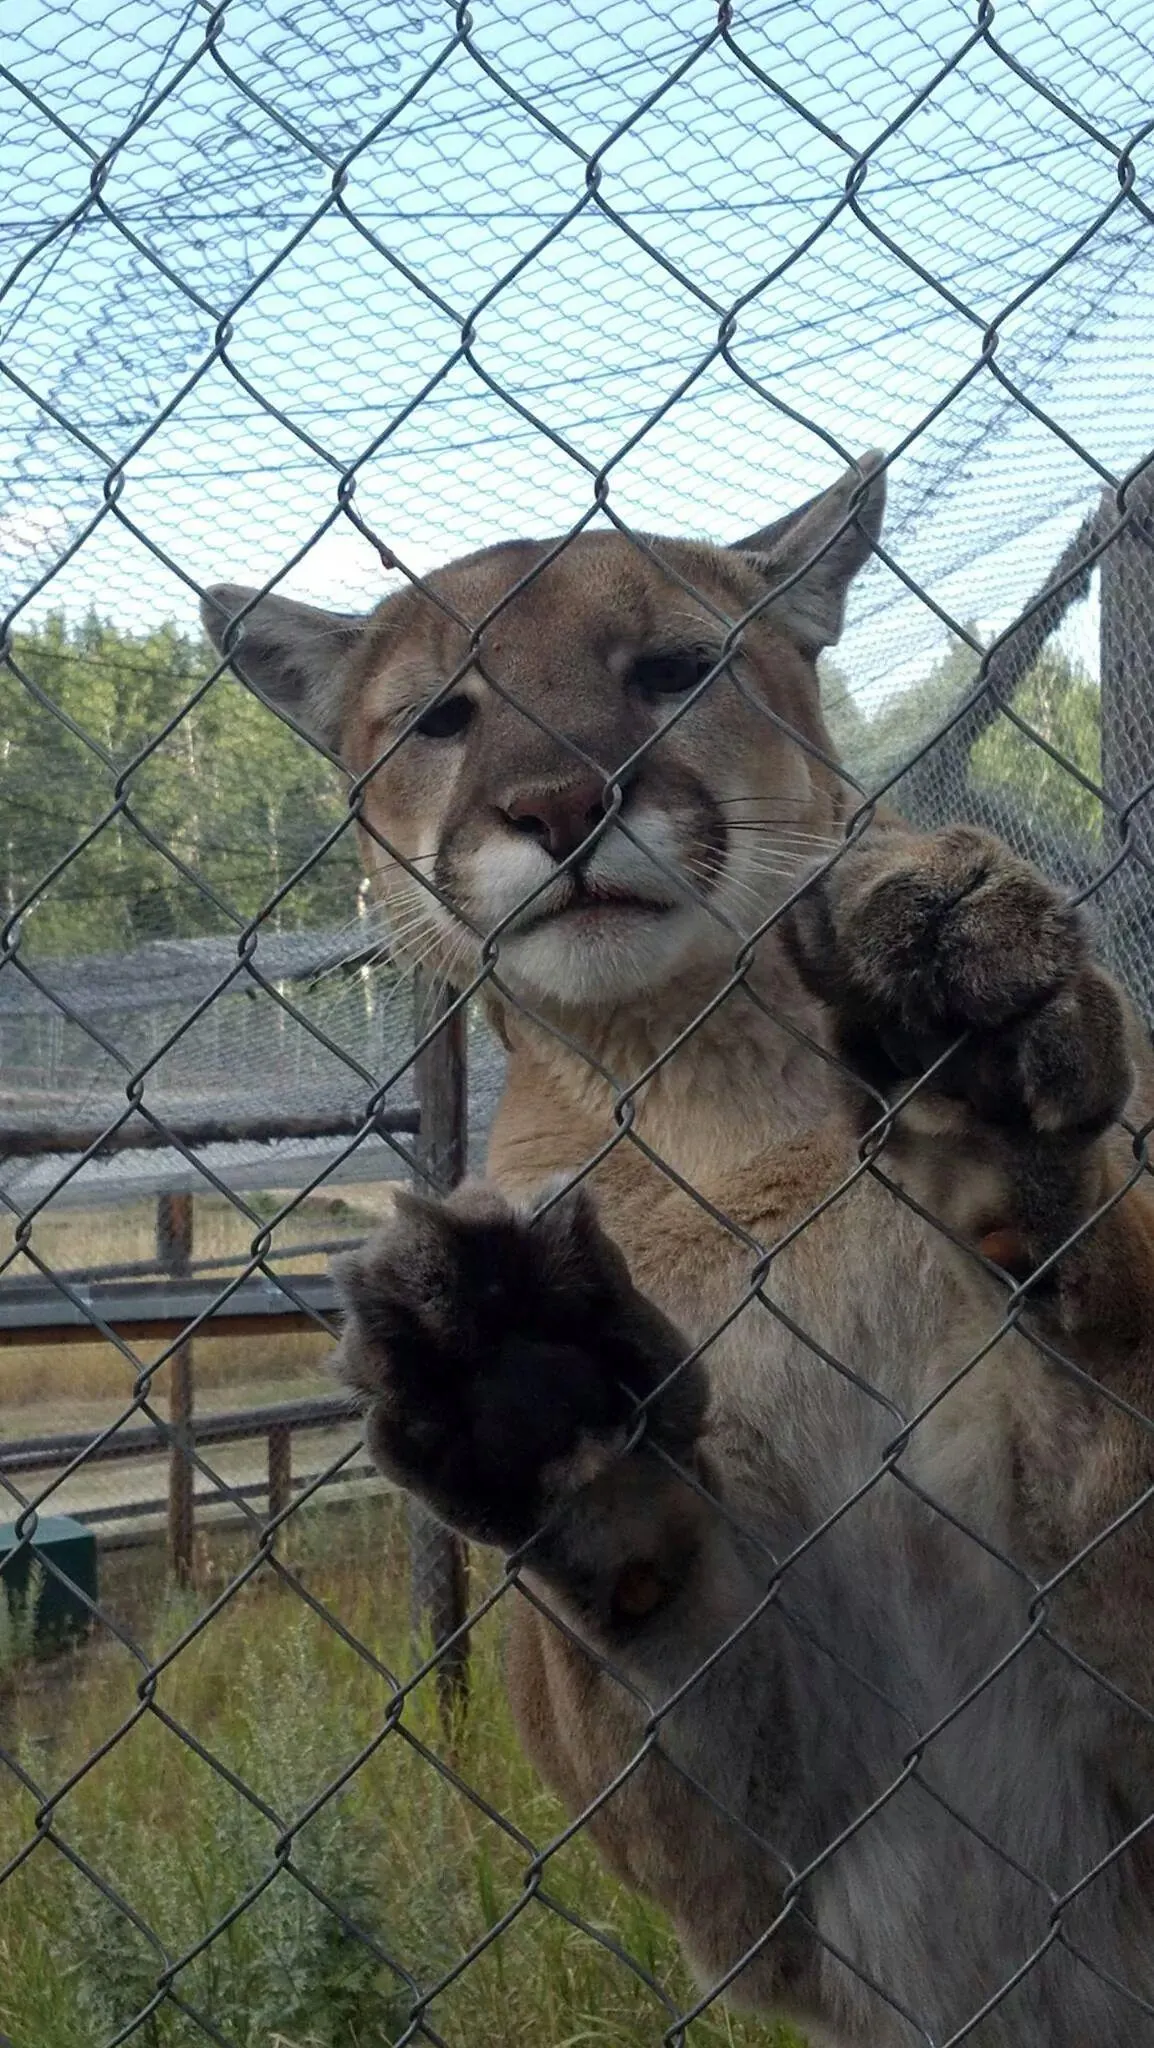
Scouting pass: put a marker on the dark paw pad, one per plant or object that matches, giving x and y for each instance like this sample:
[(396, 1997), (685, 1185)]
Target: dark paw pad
[(500, 1358), (915, 942)]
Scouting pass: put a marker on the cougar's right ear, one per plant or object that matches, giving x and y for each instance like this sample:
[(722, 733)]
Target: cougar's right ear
[(818, 549), (293, 655)]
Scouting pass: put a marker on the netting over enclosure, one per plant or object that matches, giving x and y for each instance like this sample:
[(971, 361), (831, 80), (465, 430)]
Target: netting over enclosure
[(311, 299), (333, 263), (590, 197), (292, 1044)]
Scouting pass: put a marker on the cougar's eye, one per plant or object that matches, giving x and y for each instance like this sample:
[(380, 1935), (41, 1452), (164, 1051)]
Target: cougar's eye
[(671, 675), (445, 720)]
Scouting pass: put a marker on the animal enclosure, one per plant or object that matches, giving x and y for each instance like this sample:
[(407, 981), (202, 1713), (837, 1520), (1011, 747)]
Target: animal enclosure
[(318, 298)]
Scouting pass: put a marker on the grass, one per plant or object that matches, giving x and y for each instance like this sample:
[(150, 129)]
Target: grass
[(18, 1606), (274, 1696)]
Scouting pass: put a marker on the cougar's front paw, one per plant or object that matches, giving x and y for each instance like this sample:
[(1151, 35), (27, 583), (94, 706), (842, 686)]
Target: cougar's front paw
[(500, 1359), (915, 941)]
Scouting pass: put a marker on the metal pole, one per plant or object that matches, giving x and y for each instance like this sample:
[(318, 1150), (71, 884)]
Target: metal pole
[(174, 1253), (438, 1559), (1126, 649), (1127, 652)]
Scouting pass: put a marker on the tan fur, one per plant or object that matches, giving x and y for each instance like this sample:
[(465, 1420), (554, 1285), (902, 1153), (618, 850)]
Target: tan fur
[(728, 1145)]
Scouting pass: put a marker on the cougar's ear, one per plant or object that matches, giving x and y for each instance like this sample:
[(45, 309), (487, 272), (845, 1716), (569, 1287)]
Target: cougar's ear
[(812, 610), (293, 655)]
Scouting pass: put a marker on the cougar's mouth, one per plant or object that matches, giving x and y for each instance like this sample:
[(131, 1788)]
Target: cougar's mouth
[(593, 900)]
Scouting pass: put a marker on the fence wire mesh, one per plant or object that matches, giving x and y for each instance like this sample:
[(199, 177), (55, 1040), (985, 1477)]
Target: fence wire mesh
[(318, 298)]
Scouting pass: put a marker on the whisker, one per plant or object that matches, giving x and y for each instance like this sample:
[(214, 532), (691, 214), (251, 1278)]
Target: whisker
[(772, 827), (407, 935), (703, 870), (377, 956), (786, 859), (410, 905), (763, 853), (727, 884), (343, 964), (412, 960), (804, 839), (774, 874), (744, 904), (747, 893), (796, 802), (452, 959)]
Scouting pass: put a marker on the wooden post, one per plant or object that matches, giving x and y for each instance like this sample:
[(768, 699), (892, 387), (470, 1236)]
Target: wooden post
[(280, 1468), (440, 1077), (438, 1559), (174, 1252)]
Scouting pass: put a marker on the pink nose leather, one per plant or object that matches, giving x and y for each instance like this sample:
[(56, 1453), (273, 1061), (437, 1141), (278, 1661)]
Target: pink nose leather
[(558, 819)]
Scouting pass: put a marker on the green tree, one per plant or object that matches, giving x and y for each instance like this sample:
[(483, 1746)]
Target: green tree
[(1058, 699), (233, 795), (1062, 702), (878, 745)]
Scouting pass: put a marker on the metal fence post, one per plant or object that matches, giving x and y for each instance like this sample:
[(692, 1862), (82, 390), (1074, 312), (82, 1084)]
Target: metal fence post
[(174, 1252), (1126, 632), (1126, 665), (438, 1559)]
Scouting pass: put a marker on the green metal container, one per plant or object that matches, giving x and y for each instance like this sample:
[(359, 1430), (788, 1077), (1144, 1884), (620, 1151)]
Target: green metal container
[(44, 1611)]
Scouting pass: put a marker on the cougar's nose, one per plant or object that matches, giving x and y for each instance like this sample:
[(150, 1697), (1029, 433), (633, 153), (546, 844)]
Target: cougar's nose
[(558, 819)]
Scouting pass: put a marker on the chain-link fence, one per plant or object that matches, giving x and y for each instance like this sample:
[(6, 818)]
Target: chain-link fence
[(850, 1683)]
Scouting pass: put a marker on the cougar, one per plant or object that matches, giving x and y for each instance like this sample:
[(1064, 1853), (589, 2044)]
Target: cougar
[(797, 1348)]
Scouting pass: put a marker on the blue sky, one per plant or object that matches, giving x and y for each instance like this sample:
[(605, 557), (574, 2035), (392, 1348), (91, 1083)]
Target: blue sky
[(715, 187)]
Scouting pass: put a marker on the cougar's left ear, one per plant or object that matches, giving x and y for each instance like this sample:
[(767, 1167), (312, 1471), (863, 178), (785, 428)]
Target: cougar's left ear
[(293, 655), (812, 610)]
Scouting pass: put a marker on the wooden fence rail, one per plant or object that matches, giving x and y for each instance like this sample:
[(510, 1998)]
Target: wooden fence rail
[(277, 1423)]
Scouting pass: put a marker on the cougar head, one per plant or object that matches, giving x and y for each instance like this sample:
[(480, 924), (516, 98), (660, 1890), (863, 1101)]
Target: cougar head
[(569, 761)]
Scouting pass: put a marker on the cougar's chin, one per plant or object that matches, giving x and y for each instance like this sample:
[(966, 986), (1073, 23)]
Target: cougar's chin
[(601, 954)]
